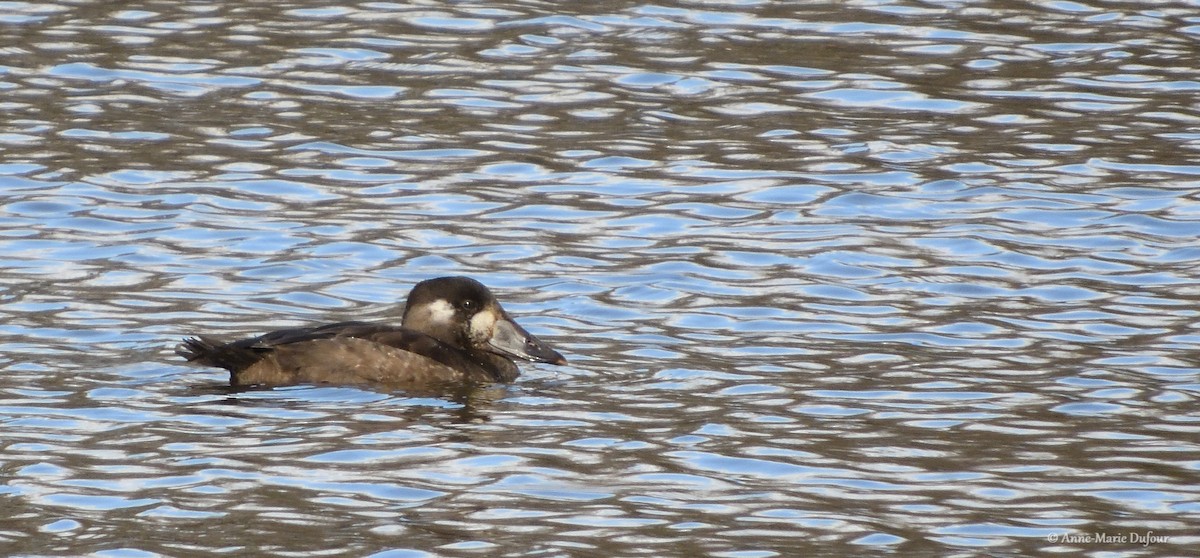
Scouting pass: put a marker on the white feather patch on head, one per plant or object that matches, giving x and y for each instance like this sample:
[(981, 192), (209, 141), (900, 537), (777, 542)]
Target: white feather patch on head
[(440, 312), (482, 324)]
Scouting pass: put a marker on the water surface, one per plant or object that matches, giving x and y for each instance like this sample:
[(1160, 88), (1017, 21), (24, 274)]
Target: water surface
[(833, 278)]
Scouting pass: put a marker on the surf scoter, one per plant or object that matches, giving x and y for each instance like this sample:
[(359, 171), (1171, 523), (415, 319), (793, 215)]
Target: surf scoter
[(453, 331)]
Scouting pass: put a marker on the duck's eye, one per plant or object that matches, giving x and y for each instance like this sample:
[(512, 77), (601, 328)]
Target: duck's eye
[(467, 305)]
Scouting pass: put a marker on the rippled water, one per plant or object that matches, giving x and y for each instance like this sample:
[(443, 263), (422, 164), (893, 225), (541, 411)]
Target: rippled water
[(834, 278)]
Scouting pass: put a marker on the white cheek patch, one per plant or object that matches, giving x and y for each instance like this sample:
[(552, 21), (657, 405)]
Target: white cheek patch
[(440, 312), (482, 324)]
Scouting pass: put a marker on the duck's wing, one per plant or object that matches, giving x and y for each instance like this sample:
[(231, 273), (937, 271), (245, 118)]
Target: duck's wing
[(388, 335), (345, 352), (345, 361), (301, 334), (236, 356)]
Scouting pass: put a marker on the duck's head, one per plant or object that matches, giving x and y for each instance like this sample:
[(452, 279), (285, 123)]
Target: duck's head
[(461, 312)]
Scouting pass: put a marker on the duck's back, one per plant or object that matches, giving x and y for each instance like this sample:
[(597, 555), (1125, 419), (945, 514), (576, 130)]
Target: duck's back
[(342, 353)]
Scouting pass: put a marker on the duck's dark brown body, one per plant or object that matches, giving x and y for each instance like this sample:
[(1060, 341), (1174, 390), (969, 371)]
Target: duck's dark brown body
[(454, 331)]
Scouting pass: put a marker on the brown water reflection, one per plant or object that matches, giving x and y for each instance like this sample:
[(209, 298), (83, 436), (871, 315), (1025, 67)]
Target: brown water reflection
[(909, 278)]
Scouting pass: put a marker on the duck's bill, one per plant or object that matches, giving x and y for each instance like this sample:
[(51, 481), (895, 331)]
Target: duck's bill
[(510, 339)]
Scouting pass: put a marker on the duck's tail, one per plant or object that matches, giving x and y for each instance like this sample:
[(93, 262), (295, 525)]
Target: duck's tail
[(211, 352)]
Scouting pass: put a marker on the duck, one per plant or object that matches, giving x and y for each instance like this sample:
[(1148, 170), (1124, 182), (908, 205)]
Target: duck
[(453, 332)]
